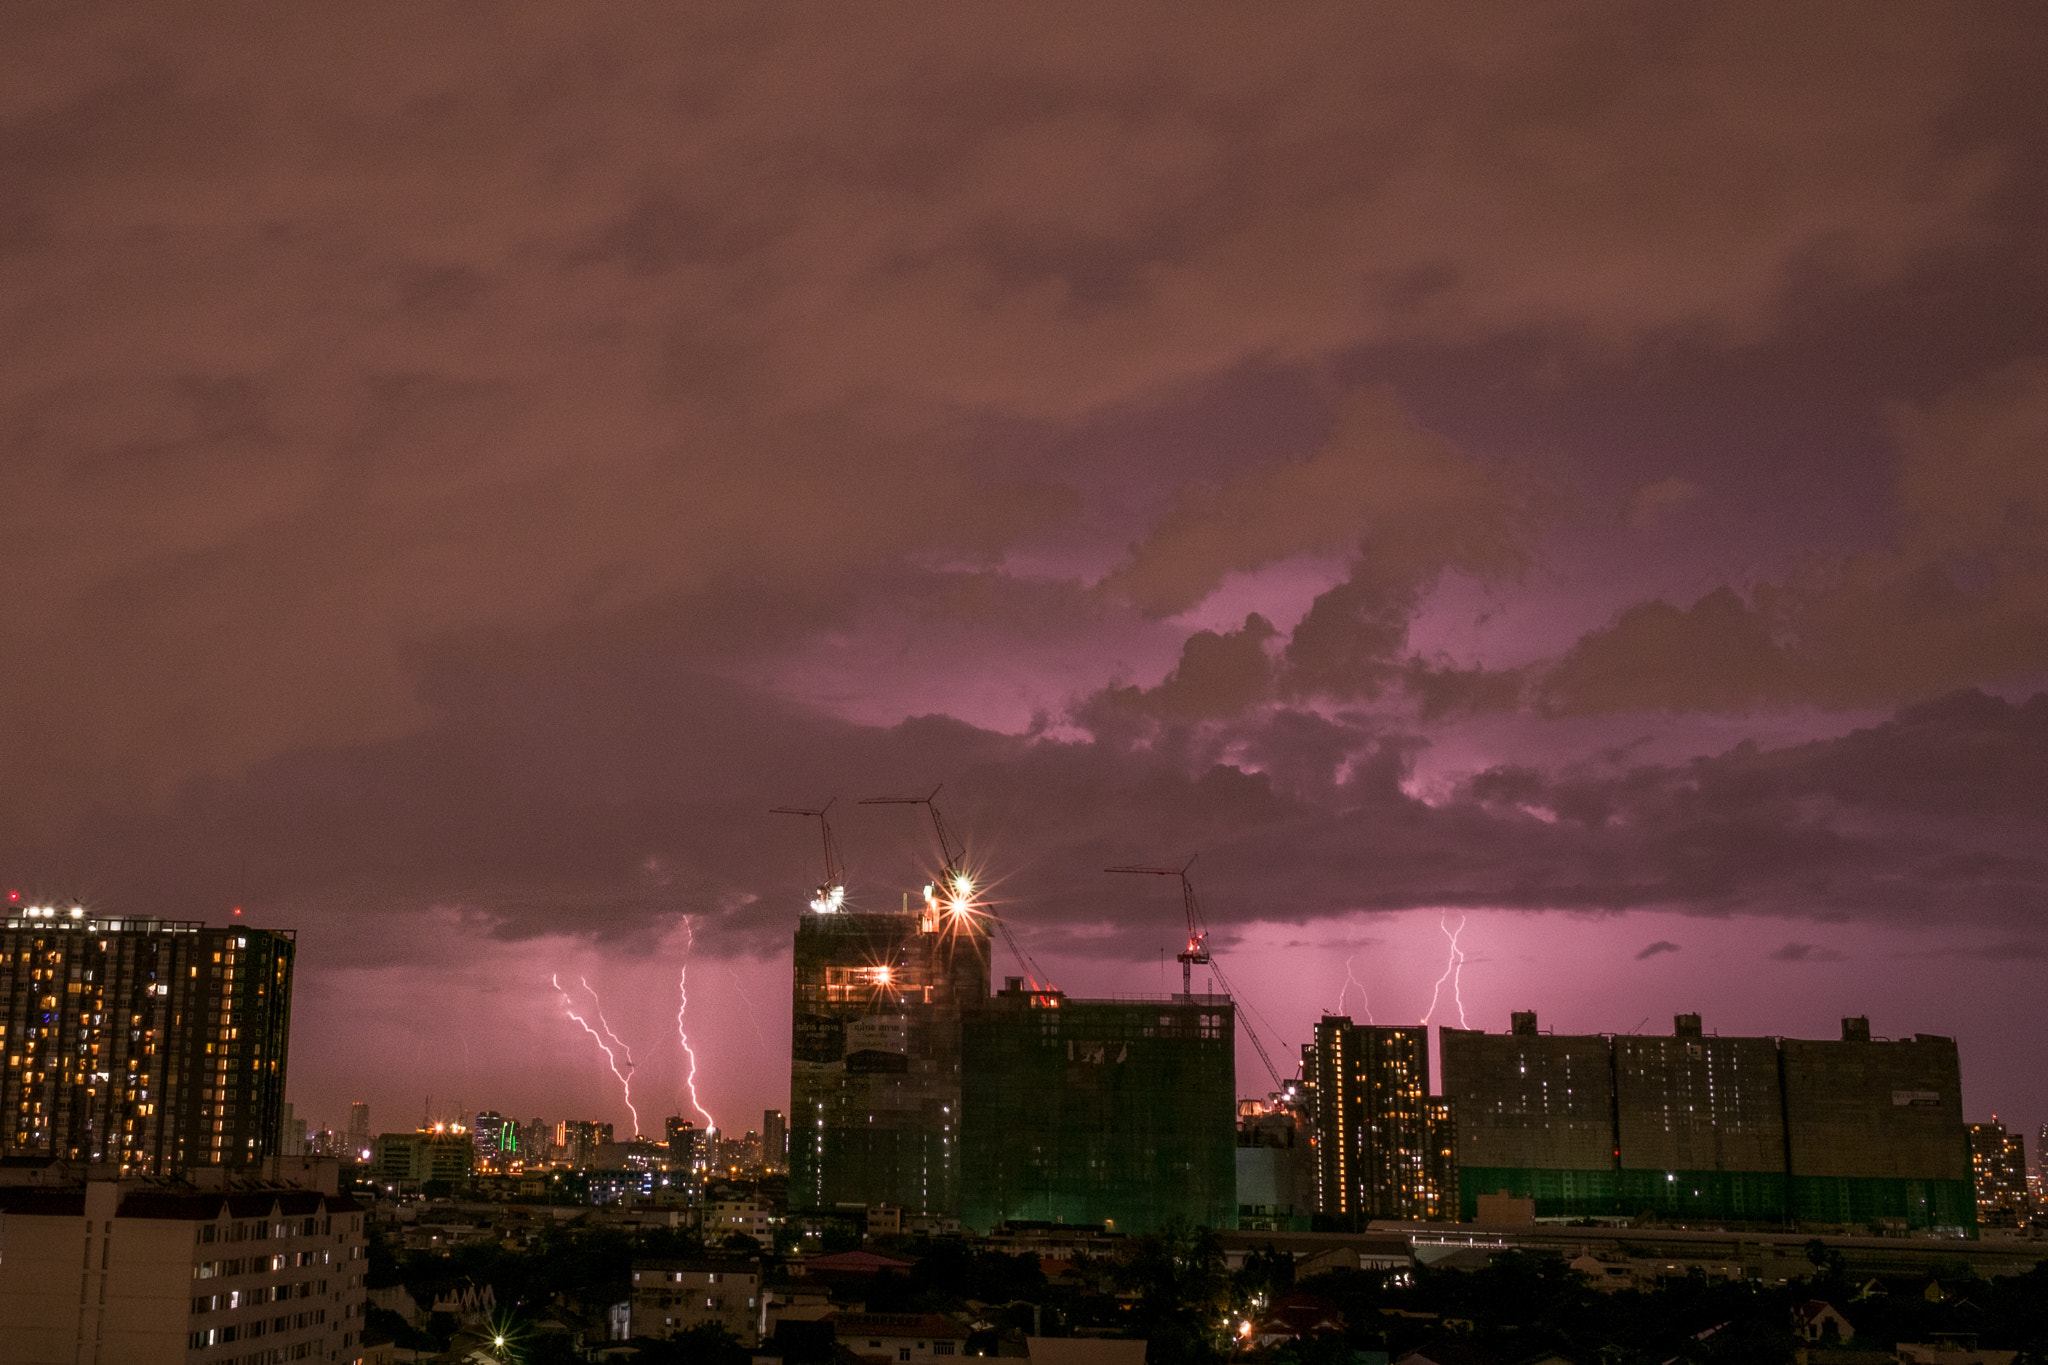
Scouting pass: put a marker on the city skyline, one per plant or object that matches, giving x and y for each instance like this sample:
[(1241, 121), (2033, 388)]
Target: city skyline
[(1551, 509)]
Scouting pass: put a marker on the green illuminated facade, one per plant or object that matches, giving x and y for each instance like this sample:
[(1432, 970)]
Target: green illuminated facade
[(1850, 1134), (1093, 1111)]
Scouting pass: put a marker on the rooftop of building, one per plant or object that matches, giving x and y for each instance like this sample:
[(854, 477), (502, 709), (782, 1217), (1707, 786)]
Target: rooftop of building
[(1855, 1029), (702, 1265), (853, 1263), (176, 1203), (1015, 992), (78, 920), (898, 1325)]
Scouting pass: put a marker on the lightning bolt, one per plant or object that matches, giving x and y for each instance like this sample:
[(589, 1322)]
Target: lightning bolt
[(682, 1034), (1350, 980), (625, 1077), (1454, 969), (740, 989)]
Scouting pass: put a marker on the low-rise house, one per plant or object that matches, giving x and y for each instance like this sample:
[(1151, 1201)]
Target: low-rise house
[(891, 1338), (1950, 1353), (1817, 1320), (1292, 1318)]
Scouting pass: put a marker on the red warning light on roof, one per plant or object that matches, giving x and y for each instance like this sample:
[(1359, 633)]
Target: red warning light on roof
[(238, 909), (14, 895)]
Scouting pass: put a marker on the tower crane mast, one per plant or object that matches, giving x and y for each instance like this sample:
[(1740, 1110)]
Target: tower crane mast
[(832, 893), (954, 880), (1197, 951)]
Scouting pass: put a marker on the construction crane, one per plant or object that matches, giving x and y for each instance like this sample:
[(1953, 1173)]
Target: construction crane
[(1197, 951), (832, 893), (953, 879)]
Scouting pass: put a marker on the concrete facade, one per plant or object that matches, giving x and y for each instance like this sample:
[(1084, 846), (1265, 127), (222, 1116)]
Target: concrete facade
[(108, 1272), (669, 1297)]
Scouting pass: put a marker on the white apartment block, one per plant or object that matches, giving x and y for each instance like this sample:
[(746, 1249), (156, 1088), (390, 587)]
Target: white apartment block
[(108, 1272)]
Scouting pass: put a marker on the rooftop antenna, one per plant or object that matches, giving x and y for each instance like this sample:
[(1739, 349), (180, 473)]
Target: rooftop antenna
[(832, 892)]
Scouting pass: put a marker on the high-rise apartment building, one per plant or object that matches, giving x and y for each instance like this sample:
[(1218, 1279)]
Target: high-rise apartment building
[(577, 1140), (1848, 1133), (148, 1045), (496, 1138), (689, 1147), (359, 1130), (1381, 1138), (875, 1058), (774, 1140), (1535, 1115), (1998, 1163), (1090, 1111)]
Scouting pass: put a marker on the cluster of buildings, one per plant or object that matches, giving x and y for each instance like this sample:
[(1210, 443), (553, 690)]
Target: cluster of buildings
[(146, 1211), (492, 1145), (145, 1066), (911, 1084)]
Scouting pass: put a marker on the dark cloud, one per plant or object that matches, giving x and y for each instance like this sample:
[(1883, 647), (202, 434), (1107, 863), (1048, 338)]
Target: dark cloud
[(1961, 599), (1662, 945), (1218, 675), (597, 782), (333, 336), (1806, 952), (1411, 502)]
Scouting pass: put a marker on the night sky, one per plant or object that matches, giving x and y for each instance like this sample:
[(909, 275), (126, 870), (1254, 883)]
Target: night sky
[(1577, 472)]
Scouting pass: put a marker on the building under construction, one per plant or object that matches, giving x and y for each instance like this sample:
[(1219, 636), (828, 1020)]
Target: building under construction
[(1099, 1111), (1846, 1134), (875, 1056), (911, 1085)]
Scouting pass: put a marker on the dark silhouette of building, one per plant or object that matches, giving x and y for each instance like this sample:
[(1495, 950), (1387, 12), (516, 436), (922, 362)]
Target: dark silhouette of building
[(1848, 1133), (1099, 1111), (149, 1045)]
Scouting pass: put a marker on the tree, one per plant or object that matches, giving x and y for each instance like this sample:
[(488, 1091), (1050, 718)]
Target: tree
[(707, 1343)]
